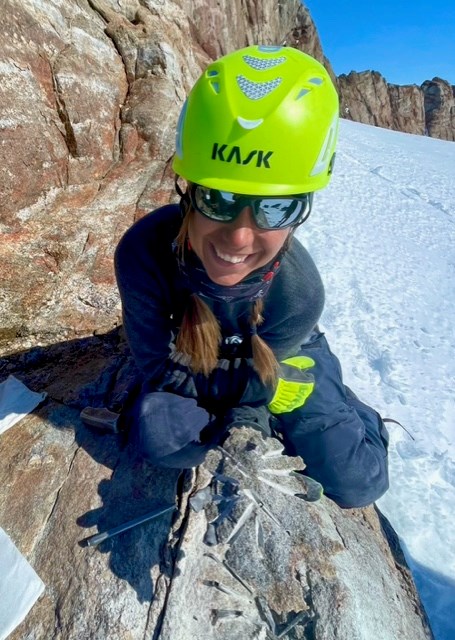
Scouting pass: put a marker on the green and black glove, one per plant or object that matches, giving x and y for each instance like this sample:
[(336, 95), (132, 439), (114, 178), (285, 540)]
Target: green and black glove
[(295, 385)]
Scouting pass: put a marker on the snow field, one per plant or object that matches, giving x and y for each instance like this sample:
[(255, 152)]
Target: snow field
[(383, 237)]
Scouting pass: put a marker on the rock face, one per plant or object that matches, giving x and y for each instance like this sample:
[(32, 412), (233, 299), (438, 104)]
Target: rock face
[(264, 563), (427, 110), (246, 555), (366, 97), (89, 101), (407, 108), (439, 108)]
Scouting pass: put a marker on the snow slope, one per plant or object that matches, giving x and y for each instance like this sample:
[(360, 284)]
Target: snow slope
[(383, 237)]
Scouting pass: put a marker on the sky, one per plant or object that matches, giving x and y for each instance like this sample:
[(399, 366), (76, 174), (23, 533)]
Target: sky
[(407, 42), (383, 237)]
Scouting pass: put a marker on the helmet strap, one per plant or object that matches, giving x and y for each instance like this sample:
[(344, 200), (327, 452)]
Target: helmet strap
[(184, 198)]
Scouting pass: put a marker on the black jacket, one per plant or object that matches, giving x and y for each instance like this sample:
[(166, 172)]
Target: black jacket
[(342, 441), (154, 298)]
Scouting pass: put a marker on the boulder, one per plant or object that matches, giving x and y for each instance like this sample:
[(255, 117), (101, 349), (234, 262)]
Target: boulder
[(246, 554), (261, 561)]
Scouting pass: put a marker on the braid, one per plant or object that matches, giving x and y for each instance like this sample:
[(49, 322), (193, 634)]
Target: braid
[(199, 336), (183, 231), (264, 360)]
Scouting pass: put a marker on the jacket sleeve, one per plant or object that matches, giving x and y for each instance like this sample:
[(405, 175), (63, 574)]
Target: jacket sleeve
[(342, 441)]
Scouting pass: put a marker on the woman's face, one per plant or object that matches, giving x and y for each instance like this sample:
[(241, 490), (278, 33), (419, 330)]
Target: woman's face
[(231, 251)]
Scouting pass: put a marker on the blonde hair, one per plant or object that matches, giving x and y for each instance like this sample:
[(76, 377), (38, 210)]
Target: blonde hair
[(199, 337)]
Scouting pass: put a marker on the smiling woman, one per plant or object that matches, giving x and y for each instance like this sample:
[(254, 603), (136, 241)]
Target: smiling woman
[(221, 302)]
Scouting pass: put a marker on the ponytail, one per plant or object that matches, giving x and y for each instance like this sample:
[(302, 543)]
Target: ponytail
[(264, 360), (199, 336)]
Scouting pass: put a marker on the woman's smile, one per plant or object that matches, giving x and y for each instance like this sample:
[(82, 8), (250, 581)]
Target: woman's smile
[(233, 259)]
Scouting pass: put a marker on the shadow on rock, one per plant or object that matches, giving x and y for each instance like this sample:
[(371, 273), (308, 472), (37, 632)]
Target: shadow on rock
[(135, 489), (96, 371), (92, 371), (78, 372)]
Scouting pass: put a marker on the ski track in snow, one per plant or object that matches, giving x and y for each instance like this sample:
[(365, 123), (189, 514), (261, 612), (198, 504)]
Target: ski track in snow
[(383, 237)]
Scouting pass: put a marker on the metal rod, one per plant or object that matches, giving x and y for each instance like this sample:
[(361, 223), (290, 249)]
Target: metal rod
[(92, 541)]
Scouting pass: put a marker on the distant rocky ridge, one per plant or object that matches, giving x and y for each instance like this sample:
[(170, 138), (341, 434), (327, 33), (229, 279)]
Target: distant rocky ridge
[(427, 110)]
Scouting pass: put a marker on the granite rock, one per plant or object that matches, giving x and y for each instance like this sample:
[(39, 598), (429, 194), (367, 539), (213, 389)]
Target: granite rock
[(246, 553), (89, 102), (439, 102)]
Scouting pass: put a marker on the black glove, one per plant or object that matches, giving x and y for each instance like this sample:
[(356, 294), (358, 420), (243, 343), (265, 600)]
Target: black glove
[(255, 417)]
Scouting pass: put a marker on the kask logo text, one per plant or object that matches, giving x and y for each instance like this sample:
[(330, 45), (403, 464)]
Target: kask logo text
[(227, 153)]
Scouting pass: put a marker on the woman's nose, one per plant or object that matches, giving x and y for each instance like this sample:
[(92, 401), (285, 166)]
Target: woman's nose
[(243, 229)]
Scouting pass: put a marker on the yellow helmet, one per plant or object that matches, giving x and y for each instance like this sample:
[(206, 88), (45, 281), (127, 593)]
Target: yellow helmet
[(260, 121)]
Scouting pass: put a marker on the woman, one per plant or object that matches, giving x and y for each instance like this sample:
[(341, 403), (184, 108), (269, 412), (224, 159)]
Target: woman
[(221, 302)]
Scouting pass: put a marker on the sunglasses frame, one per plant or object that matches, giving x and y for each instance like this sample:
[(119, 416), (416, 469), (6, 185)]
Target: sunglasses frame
[(253, 202)]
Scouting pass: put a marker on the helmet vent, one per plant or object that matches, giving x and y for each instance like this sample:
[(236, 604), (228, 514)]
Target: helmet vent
[(259, 64), (316, 81), (257, 90), (215, 86), (302, 93), (323, 161), (249, 124), (269, 48)]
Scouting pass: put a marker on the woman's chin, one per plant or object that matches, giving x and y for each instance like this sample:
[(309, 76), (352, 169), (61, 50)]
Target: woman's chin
[(226, 280)]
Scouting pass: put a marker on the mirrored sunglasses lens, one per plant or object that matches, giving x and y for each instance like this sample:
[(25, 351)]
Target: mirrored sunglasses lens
[(217, 205), (276, 213)]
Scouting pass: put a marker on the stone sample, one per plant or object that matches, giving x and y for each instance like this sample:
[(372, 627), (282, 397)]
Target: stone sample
[(260, 561)]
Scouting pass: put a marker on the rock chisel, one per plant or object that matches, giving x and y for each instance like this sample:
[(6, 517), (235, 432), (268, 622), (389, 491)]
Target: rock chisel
[(92, 541)]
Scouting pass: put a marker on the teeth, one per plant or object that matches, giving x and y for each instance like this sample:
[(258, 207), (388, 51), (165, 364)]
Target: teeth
[(228, 258)]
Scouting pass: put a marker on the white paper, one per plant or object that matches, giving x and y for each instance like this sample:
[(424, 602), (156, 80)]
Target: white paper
[(16, 401), (20, 586)]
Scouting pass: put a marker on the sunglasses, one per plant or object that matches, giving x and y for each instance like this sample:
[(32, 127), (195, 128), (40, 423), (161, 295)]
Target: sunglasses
[(269, 212)]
